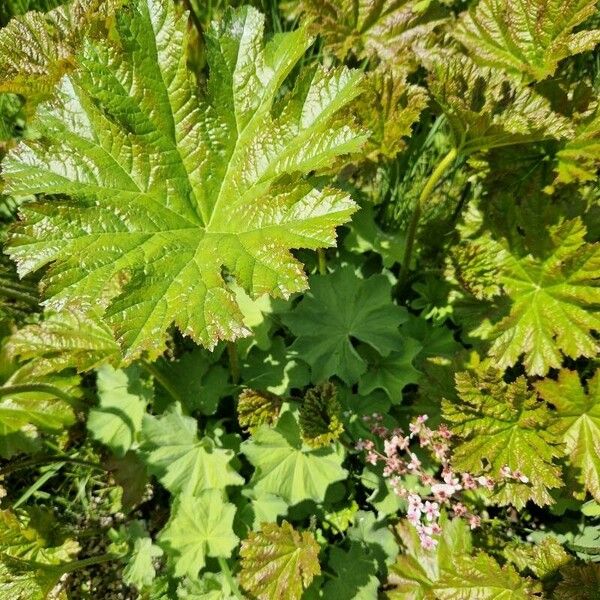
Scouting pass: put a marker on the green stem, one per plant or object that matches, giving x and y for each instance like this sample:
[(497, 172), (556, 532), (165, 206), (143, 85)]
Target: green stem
[(162, 380), (430, 185), (322, 261), (230, 579), (234, 363), (45, 388), (34, 462)]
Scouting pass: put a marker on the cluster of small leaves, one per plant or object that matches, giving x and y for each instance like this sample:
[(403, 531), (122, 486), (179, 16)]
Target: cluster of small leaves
[(247, 253)]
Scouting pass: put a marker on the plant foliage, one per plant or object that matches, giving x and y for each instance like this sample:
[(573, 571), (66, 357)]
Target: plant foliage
[(299, 299)]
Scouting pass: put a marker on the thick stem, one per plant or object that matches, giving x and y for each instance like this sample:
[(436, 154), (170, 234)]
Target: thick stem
[(433, 180), (322, 261), (230, 579), (45, 388), (234, 363)]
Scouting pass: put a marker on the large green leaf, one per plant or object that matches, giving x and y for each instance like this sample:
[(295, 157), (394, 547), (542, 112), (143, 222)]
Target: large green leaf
[(31, 555), (199, 526), (165, 192), (527, 38), (498, 424), (278, 562), (182, 462), (487, 109), (341, 307), (286, 467), (554, 301), (578, 423), (390, 373)]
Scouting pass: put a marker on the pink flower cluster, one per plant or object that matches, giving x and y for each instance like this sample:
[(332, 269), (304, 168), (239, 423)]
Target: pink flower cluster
[(398, 460)]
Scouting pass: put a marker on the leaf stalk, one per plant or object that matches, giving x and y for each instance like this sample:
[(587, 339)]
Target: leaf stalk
[(426, 192)]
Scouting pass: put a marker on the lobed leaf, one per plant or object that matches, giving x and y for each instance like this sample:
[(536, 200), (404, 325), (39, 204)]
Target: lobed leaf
[(577, 423), (199, 527), (528, 38), (278, 562), (166, 191), (341, 306), (288, 468), (554, 298), (499, 425), (181, 461), (486, 109)]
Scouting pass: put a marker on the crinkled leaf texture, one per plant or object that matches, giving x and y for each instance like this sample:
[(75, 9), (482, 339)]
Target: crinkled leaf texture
[(199, 526), (165, 191), (416, 570), (486, 109), (72, 338), (341, 306), (389, 108), (37, 48), (579, 160), (579, 582), (528, 38), (577, 423), (278, 562), (497, 425), (450, 572), (383, 30), (286, 467), (543, 559), (554, 302), (481, 578)]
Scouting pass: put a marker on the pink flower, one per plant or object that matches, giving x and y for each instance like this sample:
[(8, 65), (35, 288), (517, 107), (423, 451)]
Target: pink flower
[(506, 471), (413, 514), (414, 463), (444, 432), (443, 491), (486, 482), (520, 476), (436, 529), (474, 521), (415, 500), (431, 510), (468, 481), (426, 479), (416, 425), (372, 457), (460, 510)]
